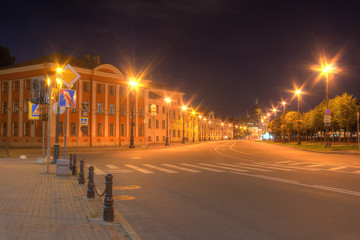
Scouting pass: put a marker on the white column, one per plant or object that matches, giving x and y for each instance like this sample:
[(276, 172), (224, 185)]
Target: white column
[(106, 107), (117, 111), (9, 110), (93, 110), (21, 108), (127, 115), (137, 114)]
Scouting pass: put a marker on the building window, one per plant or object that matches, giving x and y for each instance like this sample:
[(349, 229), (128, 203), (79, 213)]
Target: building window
[(100, 88), (15, 130), (122, 110), (4, 108), (157, 138), (112, 109), (86, 87), (163, 109), (149, 139), (16, 86), (163, 124), (5, 87), (27, 84), (149, 108), (111, 130), (112, 90), (27, 129), (99, 108), (73, 110), (73, 129), (16, 106), (178, 114), (149, 123), (174, 133), (157, 108), (61, 128), (157, 123), (122, 129), (163, 138), (140, 130), (178, 133), (122, 91), (4, 129), (100, 130), (141, 113), (85, 130)]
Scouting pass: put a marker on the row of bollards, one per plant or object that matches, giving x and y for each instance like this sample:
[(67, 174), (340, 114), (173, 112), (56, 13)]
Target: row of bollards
[(108, 215)]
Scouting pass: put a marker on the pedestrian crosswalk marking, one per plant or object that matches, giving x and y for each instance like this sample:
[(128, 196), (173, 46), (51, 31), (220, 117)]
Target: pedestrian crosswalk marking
[(234, 169), (97, 171), (336, 168), (138, 169), (286, 162), (160, 168), (251, 168), (317, 165), (182, 168), (112, 166), (269, 167), (205, 168)]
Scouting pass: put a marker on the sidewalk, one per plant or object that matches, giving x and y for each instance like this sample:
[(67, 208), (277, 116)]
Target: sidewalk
[(36, 205)]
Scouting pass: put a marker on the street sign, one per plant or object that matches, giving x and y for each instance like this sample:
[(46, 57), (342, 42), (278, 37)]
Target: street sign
[(54, 108), (67, 98), (327, 120), (68, 76), (84, 121), (327, 111), (34, 111)]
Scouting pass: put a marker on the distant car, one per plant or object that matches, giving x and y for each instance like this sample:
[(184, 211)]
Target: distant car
[(258, 140)]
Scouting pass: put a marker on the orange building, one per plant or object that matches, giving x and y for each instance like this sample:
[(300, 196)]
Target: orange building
[(102, 86)]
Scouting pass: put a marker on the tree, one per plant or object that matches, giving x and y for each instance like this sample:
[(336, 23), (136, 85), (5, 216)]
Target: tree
[(5, 57)]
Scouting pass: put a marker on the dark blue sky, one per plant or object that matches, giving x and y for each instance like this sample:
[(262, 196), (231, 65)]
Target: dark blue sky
[(223, 54)]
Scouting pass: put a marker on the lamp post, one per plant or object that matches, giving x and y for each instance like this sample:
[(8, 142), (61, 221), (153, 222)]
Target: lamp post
[(326, 70), (56, 144), (193, 125), (298, 92), (183, 130), (199, 130), (283, 125), (222, 131), (167, 101), (132, 85)]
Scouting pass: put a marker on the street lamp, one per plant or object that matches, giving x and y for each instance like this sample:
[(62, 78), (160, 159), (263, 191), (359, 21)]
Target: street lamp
[(298, 92), (327, 69), (183, 131), (133, 86), (222, 131), (193, 125), (284, 105), (167, 101), (56, 144)]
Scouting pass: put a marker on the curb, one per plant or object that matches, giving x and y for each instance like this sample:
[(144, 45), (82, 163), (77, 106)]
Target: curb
[(126, 226)]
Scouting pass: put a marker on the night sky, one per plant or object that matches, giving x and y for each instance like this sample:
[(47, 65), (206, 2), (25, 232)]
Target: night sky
[(223, 54)]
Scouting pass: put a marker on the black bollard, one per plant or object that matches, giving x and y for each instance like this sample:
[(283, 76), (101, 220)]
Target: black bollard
[(81, 174), (109, 200), (91, 184), (74, 172), (71, 161)]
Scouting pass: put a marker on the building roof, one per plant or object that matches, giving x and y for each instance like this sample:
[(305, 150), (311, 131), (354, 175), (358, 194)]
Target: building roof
[(56, 58), (154, 96), (163, 87)]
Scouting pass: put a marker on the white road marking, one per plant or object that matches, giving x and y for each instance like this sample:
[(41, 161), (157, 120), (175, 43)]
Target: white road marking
[(135, 158), (138, 169), (297, 163), (112, 166), (357, 172), (287, 166), (336, 168), (270, 167), (284, 162), (229, 168), (160, 168), (182, 168), (205, 168), (251, 168), (317, 165), (97, 171), (331, 189)]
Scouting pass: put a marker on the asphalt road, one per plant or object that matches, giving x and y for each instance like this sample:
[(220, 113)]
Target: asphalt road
[(235, 190)]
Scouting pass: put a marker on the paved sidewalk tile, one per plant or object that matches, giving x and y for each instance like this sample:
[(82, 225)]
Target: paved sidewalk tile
[(36, 205)]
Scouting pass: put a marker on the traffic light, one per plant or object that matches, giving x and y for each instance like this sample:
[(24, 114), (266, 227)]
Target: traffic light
[(38, 91)]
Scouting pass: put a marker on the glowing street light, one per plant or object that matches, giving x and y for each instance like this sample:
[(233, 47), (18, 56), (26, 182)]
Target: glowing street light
[(133, 85)]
